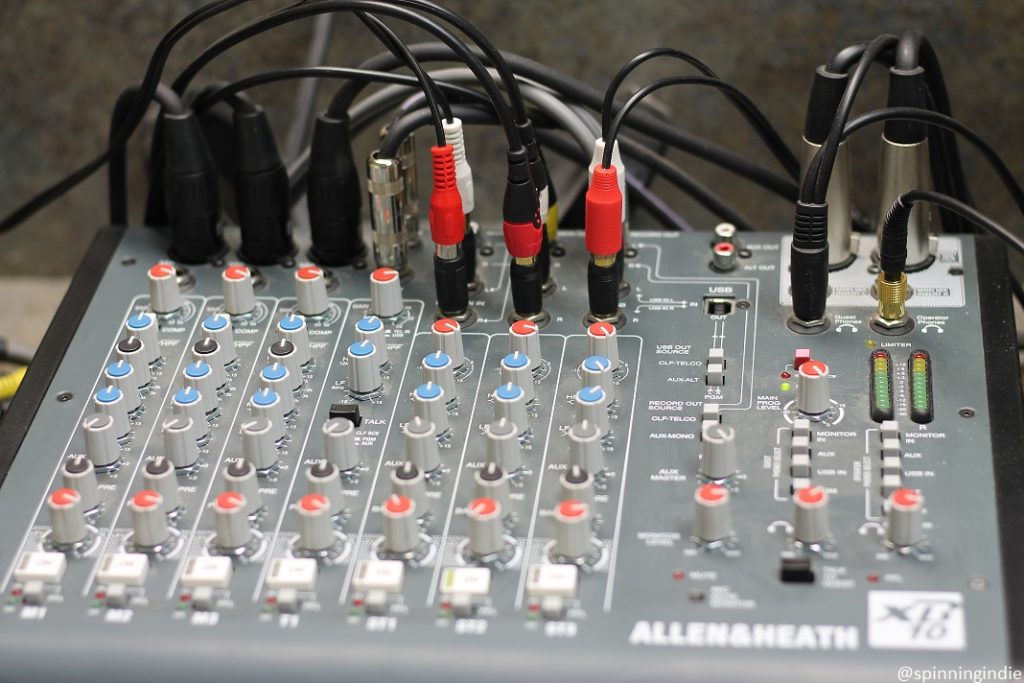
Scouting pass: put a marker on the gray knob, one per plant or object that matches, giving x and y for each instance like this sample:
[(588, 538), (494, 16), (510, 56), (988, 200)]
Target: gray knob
[(407, 480), (237, 286), (240, 477), (421, 444), (486, 531), (597, 371), (278, 377), (905, 510), (712, 519), (79, 474), (447, 334), (585, 447), (231, 521), (316, 530), (293, 328), (266, 403), (310, 291), (101, 439), (385, 293), (813, 391), (510, 404), (133, 351), (218, 328), (164, 294), (503, 445), (180, 436), (207, 349), (430, 403), (438, 368), (121, 374), (592, 406), (572, 529), (371, 329), (363, 370), (159, 476), (810, 518), (188, 402), (577, 483), (401, 530), (199, 376), (283, 352), (258, 443), (603, 340), (717, 451), (340, 443), (67, 518), (515, 368), (111, 401), (491, 481), (149, 519), (524, 337), (323, 477), (144, 327)]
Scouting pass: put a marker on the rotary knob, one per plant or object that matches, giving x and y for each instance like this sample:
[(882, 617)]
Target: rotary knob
[(237, 286), (503, 445), (576, 483), (585, 448), (218, 328), (592, 406), (491, 481), (810, 519), (159, 475), (407, 480), (144, 327), (258, 443), (267, 404), (277, 377), (597, 371), (447, 334), (164, 294), (486, 530), (100, 435), (813, 391), (438, 368), (363, 371), (231, 521), (323, 478), (240, 477), (510, 404), (79, 474), (122, 375), (149, 519), (524, 337), (131, 350), (293, 328), (717, 451), (712, 518), (371, 329), (188, 402), (67, 517), (311, 291), (285, 353), (572, 529), (905, 511), (210, 352), (430, 404), (316, 531), (340, 443), (199, 376), (111, 401), (385, 293), (421, 444), (515, 368), (603, 340), (401, 530), (181, 434)]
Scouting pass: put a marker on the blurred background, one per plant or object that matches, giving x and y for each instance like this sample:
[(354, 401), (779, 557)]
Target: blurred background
[(62, 65)]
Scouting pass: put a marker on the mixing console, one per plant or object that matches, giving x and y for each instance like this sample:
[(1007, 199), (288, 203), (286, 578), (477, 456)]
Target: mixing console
[(290, 471)]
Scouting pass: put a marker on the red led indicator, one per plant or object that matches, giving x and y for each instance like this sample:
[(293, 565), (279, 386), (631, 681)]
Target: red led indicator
[(678, 576), (785, 375)]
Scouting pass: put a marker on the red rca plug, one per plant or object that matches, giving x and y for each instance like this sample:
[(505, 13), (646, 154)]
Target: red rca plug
[(603, 236), (520, 210), (447, 222)]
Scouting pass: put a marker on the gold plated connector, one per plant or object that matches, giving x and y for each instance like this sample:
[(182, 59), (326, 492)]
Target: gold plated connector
[(892, 297)]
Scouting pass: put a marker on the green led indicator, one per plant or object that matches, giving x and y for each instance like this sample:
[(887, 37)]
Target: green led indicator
[(785, 386)]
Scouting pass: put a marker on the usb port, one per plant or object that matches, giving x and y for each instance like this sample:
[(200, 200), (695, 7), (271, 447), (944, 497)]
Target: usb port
[(719, 305)]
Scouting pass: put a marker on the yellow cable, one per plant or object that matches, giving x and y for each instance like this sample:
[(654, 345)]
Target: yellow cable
[(10, 382)]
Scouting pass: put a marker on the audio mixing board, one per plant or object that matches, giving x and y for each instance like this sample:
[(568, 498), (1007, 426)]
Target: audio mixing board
[(297, 473)]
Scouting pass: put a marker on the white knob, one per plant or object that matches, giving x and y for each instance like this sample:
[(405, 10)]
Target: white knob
[(407, 480), (79, 474), (144, 326), (385, 293), (258, 443), (111, 401), (67, 518), (572, 529), (340, 443), (218, 328), (180, 434), (209, 351), (231, 521), (486, 531), (585, 448), (316, 531), (311, 291), (267, 404), (199, 376), (159, 476), (905, 511), (240, 477), (132, 350), (597, 371), (503, 445), (447, 334), (149, 519), (491, 481), (813, 391), (101, 439), (438, 368), (421, 444), (293, 328), (430, 404), (712, 519), (277, 377), (363, 370), (285, 353), (164, 294), (810, 517), (510, 404), (592, 406), (323, 477), (515, 368), (717, 451), (603, 340), (237, 286), (121, 374), (577, 483), (371, 329), (401, 531), (524, 337)]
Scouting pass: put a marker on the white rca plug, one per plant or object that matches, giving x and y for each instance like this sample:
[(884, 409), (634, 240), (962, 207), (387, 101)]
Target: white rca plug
[(463, 173)]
